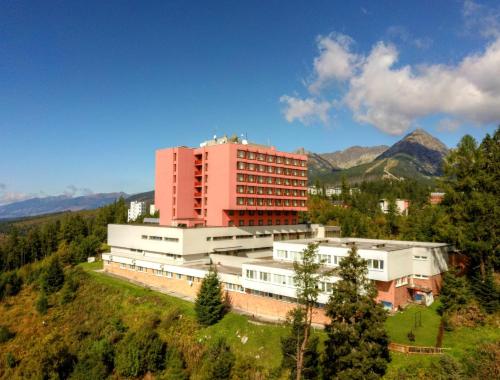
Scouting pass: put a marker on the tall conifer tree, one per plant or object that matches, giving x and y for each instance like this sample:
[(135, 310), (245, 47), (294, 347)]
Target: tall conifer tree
[(357, 343), (210, 305)]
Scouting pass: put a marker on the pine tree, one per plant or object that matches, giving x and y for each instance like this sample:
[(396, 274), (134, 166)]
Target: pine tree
[(357, 343), (289, 344), (307, 277), (210, 305), (455, 293)]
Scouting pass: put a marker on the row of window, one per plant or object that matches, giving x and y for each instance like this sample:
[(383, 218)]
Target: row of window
[(240, 201), (280, 279), (270, 169), (178, 276), (231, 237), (271, 295), (270, 158), (260, 222), (423, 276), (240, 189), (241, 177), (416, 257), (262, 212), (164, 238)]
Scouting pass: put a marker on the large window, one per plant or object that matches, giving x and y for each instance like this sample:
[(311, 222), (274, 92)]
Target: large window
[(251, 274), (375, 264), (265, 276), (279, 279), (281, 253)]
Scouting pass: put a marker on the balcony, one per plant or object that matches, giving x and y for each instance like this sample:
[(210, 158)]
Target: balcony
[(198, 162), (197, 205), (197, 194)]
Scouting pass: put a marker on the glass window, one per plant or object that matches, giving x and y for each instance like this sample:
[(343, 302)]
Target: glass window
[(250, 274)]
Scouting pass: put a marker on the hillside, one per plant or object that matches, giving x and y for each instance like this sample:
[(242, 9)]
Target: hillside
[(418, 156), (69, 336), (56, 204)]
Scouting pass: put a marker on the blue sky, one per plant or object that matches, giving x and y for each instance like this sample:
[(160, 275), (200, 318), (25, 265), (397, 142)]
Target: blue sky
[(89, 90)]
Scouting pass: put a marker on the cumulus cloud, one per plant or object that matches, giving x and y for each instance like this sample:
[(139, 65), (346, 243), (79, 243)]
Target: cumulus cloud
[(335, 60), (306, 111), (392, 98)]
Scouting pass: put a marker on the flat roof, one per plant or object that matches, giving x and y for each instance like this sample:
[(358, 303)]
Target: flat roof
[(366, 244)]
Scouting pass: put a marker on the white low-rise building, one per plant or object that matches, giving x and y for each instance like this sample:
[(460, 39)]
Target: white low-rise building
[(258, 261)]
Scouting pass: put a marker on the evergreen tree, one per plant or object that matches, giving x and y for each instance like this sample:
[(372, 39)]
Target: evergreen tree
[(455, 293), (210, 305), (357, 343), (307, 277), (52, 279), (472, 186), (219, 361), (289, 344)]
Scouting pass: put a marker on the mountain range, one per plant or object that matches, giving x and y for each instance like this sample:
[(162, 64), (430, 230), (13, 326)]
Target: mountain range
[(418, 155), (58, 203)]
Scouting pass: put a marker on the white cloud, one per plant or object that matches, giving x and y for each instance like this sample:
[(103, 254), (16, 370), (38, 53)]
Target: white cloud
[(392, 98), (335, 61), (306, 111), (448, 125)]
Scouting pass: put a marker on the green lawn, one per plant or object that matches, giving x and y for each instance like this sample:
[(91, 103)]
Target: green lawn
[(401, 323), (463, 338)]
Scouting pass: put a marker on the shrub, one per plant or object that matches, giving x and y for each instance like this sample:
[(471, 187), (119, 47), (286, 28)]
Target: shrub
[(42, 304), (140, 351), (10, 284), (96, 362), (68, 292), (5, 334), (219, 361), (411, 336), (175, 368), (52, 278), (10, 359)]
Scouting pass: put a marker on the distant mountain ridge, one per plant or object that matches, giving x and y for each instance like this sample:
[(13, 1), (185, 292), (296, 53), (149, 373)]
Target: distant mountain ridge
[(418, 155), (342, 159), (58, 203)]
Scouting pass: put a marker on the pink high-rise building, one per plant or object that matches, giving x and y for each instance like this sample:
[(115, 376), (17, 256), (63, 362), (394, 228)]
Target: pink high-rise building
[(229, 182)]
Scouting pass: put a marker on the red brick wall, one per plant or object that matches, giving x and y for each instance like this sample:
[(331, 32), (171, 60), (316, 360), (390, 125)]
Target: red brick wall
[(387, 291)]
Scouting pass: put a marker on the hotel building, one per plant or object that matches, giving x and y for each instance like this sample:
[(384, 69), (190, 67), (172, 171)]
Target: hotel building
[(253, 237), (229, 182)]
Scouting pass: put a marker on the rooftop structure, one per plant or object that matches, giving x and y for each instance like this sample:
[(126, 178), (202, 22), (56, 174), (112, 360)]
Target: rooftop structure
[(229, 182)]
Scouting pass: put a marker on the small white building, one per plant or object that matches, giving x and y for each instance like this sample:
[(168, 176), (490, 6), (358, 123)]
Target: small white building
[(402, 206), (136, 209)]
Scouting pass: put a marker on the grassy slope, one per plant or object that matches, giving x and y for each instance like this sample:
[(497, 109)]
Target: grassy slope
[(401, 323), (100, 298)]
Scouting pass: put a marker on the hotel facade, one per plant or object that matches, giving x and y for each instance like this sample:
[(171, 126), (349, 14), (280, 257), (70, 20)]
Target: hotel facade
[(235, 206)]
